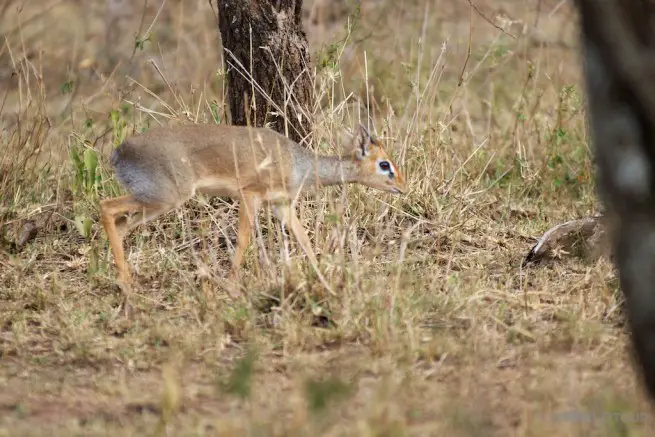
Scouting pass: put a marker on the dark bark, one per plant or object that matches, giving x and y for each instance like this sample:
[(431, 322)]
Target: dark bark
[(282, 92), (619, 53)]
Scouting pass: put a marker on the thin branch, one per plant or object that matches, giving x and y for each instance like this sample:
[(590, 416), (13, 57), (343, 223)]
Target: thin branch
[(488, 20)]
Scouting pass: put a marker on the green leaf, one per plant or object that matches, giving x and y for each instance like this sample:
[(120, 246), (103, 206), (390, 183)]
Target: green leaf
[(79, 169), (561, 133), (83, 225), (118, 125), (90, 166), (75, 156), (93, 266), (501, 51), (214, 110), (67, 87), (115, 116), (140, 42)]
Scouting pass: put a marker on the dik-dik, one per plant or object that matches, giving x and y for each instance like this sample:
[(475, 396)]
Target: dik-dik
[(165, 167)]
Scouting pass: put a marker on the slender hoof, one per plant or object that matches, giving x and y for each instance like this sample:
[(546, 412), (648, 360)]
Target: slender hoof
[(127, 306), (125, 280)]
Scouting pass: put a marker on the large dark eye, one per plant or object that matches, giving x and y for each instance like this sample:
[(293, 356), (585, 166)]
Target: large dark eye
[(385, 166)]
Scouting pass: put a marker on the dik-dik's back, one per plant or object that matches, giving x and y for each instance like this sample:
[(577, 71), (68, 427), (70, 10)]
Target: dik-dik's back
[(168, 165)]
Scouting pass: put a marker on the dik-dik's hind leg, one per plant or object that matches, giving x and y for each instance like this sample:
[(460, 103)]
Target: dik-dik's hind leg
[(248, 207)]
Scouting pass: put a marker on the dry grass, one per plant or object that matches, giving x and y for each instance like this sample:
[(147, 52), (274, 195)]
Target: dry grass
[(436, 328)]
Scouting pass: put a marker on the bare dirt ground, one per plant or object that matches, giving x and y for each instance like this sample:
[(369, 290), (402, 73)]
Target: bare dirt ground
[(436, 328)]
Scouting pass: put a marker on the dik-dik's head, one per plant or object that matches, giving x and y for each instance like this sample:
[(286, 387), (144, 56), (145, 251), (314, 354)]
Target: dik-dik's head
[(376, 169)]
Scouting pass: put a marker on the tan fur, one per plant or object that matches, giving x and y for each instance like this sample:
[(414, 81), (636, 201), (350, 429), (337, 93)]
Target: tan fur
[(165, 167)]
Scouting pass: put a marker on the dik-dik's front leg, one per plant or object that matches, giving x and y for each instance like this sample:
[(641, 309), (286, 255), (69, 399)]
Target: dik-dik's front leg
[(117, 227), (248, 207), (287, 215), (110, 211)]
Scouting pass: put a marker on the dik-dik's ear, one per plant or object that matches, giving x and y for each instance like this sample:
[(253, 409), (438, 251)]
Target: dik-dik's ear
[(361, 141)]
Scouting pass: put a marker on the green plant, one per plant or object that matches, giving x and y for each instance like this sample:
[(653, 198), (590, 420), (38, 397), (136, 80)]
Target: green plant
[(87, 179)]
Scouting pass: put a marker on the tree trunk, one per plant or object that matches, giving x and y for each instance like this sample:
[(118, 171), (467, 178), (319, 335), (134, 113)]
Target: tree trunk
[(619, 53), (267, 59)]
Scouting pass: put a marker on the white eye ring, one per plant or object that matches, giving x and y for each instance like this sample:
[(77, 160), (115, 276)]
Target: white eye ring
[(386, 168)]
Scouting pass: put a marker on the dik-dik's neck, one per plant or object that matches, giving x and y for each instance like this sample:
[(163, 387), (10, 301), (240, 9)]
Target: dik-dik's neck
[(332, 170)]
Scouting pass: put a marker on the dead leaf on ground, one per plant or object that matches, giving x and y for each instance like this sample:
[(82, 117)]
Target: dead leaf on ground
[(28, 232), (583, 237)]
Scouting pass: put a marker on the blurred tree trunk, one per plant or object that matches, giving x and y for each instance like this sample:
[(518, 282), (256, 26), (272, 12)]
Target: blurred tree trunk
[(267, 59), (619, 54)]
